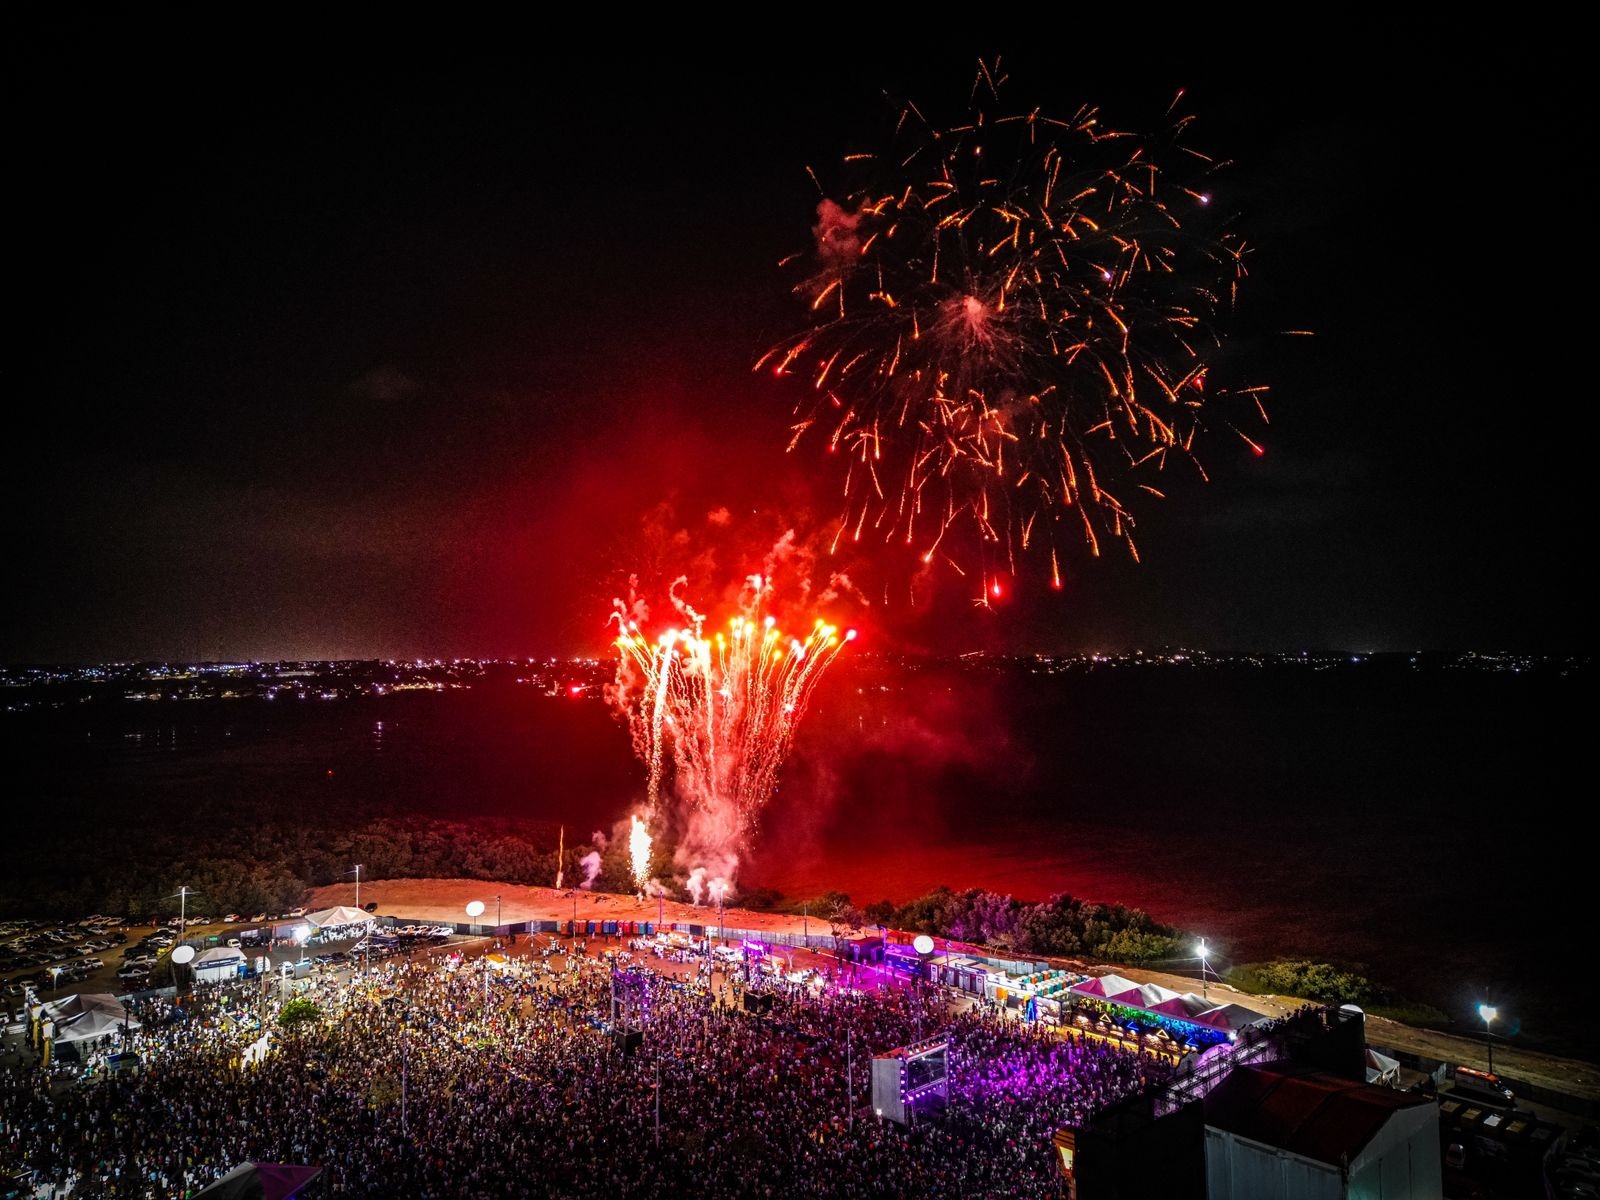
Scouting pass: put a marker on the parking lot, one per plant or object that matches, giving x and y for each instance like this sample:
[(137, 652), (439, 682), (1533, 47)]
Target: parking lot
[(112, 954)]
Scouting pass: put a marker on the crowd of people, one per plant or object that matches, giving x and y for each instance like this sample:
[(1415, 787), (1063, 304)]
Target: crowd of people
[(450, 1077)]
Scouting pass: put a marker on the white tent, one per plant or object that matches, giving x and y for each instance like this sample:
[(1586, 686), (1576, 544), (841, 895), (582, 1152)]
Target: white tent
[(85, 1017), (1382, 1069), (339, 914), (1152, 994), (218, 963)]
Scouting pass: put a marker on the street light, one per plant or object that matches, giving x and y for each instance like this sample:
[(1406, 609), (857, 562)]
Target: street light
[(475, 910), (1202, 953), (1488, 1012), (55, 979), (183, 894)]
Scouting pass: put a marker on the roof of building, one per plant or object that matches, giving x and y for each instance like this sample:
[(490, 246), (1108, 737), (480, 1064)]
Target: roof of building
[(1317, 1116)]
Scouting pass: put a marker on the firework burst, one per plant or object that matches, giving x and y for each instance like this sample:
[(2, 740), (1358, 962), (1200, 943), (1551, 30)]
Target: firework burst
[(639, 843), (723, 707), (1011, 323)]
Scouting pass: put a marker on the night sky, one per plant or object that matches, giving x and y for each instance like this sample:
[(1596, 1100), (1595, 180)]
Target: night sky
[(349, 343)]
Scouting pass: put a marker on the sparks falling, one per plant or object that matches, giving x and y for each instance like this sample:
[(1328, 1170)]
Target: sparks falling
[(1011, 322), (723, 707)]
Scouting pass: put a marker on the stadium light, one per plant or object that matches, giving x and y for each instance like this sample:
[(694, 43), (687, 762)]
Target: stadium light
[(1488, 1012)]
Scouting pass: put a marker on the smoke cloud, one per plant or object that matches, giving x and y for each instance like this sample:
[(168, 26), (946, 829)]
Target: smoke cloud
[(590, 863), (837, 234)]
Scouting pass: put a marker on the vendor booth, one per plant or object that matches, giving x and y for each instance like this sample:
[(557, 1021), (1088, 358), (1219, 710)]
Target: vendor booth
[(219, 965)]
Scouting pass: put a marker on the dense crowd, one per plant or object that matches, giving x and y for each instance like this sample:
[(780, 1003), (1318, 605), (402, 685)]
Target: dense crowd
[(414, 1084)]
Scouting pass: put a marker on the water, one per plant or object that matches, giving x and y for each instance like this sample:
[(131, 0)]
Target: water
[(1421, 824)]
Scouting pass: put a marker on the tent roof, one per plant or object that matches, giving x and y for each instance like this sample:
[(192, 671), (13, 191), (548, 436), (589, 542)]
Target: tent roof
[(1106, 987), (218, 955), (1175, 1007), (339, 914), (79, 1003), (1316, 1116), (259, 1181), (1381, 1068), (1229, 1016), (87, 1015), (1152, 994)]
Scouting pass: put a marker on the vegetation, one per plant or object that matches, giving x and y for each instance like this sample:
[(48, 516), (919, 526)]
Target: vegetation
[(1062, 925), (249, 866), (254, 866), (298, 1013), (1308, 980), (1410, 1012), (1332, 984)]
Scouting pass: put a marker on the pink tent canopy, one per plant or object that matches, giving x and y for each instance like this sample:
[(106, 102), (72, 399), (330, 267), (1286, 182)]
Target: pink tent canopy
[(1112, 988)]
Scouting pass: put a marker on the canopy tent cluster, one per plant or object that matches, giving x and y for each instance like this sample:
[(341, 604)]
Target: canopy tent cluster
[(1166, 1003)]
